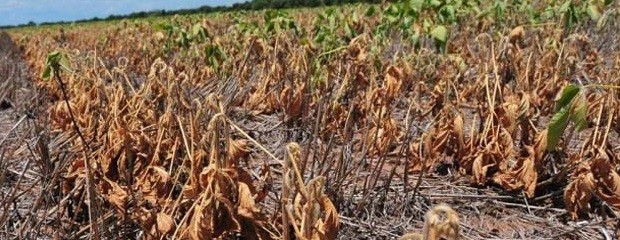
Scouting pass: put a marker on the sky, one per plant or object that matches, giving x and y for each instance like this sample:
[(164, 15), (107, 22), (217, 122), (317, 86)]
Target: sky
[(13, 12)]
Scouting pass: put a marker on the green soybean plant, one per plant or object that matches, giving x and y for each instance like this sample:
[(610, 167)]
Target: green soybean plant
[(572, 106)]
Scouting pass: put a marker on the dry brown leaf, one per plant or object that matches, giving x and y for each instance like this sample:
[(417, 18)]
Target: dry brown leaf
[(311, 213), (459, 131), (155, 184), (516, 34), (115, 194), (254, 224), (508, 114), (485, 164), (447, 137), (393, 82), (578, 193), (291, 99), (200, 226), (607, 180), (522, 176), (383, 137), (416, 163), (165, 223), (238, 149), (214, 215), (479, 169), (331, 220), (246, 206), (146, 218), (505, 148)]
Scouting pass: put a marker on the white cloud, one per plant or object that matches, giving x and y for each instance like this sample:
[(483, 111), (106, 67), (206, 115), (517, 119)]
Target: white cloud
[(11, 4)]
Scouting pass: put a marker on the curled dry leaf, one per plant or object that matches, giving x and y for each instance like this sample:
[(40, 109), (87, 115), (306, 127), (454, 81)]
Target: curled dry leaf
[(165, 223), (115, 195), (328, 228), (238, 149), (226, 200), (596, 179), (607, 180), (459, 131), (447, 138), (147, 219), (246, 206), (260, 100), (255, 225), (382, 137), (508, 114), (157, 224), (481, 165), (393, 83), (214, 214), (578, 193), (291, 100), (155, 185), (442, 222), (416, 160), (357, 52), (490, 159), (524, 174), (516, 34)]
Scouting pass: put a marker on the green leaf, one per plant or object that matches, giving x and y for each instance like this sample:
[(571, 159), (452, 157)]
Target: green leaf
[(370, 11), (434, 3), (416, 4), (407, 22), (579, 112), (569, 92), (600, 24), (565, 6), (391, 19), (52, 58), (415, 39), (571, 106), (63, 62), (348, 30), (199, 31), (47, 72), (51, 62), (440, 33), (556, 127), (593, 12), (320, 37), (449, 12)]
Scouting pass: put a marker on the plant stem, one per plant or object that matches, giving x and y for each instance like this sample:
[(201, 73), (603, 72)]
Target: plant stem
[(93, 210)]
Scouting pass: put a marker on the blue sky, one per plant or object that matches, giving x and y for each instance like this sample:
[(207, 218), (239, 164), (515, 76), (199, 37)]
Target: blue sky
[(14, 12)]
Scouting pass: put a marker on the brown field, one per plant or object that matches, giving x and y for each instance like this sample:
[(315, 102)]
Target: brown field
[(348, 122)]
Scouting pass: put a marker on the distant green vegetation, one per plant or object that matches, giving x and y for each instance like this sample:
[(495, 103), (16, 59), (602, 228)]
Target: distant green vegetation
[(249, 5)]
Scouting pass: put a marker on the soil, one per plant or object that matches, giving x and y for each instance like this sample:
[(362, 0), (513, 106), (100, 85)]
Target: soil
[(20, 181)]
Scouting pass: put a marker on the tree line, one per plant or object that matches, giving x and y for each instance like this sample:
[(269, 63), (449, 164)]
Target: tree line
[(249, 5)]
